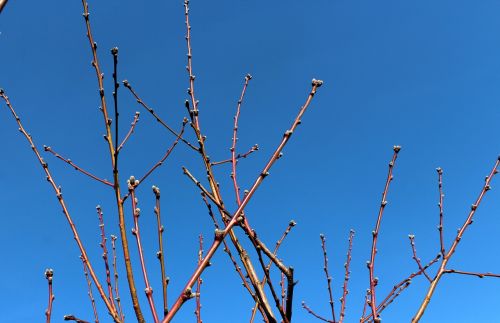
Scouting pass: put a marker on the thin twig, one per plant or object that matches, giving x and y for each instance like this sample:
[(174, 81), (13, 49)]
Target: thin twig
[(160, 253), (74, 318), (478, 275), (105, 255), (49, 274), (198, 284), (115, 275), (411, 237), (238, 157), (130, 131), (77, 168), (328, 277), (310, 311), (132, 184), (345, 291), (440, 205), (89, 287), (155, 115), (62, 203), (375, 232)]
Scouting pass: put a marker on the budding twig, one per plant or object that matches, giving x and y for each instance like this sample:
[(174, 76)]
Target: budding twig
[(89, 288), (198, 284), (345, 291), (49, 274), (417, 260), (160, 254), (440, 205), (130, 131)]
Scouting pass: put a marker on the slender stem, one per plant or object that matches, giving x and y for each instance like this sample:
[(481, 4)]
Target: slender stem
[(160, 254), (328, 277), (417, 260), (440, 205), (115, 275), (130, 131), (132, 184), (345, 291), (458, 238), (74, 318), (371, 264), (116, 180), (49, 274), (198, 284), (89, 288), (310, 311), (114, 52), (62, 203), (238, 157), (478, 275), (155, 115), (76, 167), (105, 255)]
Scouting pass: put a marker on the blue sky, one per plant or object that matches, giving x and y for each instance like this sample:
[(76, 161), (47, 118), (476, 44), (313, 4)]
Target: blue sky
[(421, 75)]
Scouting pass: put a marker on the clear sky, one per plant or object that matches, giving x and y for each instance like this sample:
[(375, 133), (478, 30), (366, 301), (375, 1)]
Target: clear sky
[(424, 75)]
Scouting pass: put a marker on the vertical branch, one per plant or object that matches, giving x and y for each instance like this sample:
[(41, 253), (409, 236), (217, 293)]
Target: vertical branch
[(328, 277), (115, 275), (458, 238), (440, 205), (109, 140), (114, 52), (345, 291), (132, 183), (160, 254), (89, 286), (198, 284), (105, 255), (62, 203), (49, 273), (371, 263)]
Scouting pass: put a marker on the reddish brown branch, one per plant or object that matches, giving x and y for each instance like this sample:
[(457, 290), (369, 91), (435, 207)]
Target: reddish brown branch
[(328, 277), (77, 168), (89, 288), (198, 284), (310, 311), (105, 255), (155, 115), (115, 275), (130, 131), (238, 157), (49, 274), (345, 291), (440, 205), (375, 232), (62, 203), (132, 184), (411, 237), (160, 254)]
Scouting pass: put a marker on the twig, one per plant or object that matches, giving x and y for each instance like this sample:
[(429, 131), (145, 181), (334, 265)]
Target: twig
[(132, 184), (440, 205), (115, 275), (77, 168), (130, 131), (198, 284), (112, 155), (375, 232), (74, 318), (89, 286), (310, 311), (160, 254), (155, 115), (62, 203), (114, 52), (160, 162), (345, 291), (328, 277), (411, 237), (478, 275), (238, 157), (451, 251), (105, 255), (49, 273)]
